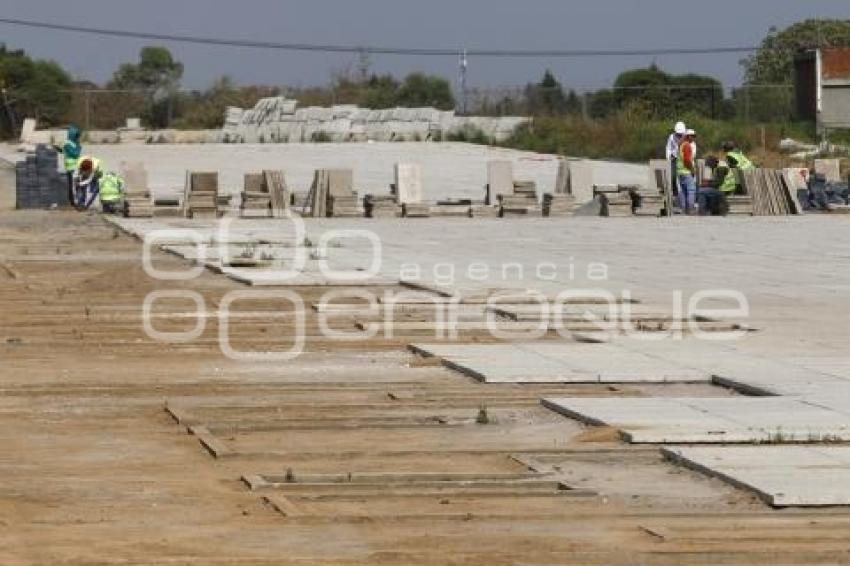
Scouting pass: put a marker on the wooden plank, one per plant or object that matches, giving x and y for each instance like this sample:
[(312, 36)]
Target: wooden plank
[(209, 441)]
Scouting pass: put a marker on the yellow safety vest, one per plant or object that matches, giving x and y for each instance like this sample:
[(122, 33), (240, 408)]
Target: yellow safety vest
[(111, 186)]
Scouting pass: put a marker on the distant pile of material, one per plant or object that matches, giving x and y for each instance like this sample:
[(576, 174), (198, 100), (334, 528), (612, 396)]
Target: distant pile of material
[(279, 120)]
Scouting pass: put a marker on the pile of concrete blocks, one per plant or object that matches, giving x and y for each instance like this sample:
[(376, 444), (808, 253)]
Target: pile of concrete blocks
[(200, 195), (382, 206), (256, 199), (480, 210), (279, 120), (39, 183), (138, 202), (522, 201), (647, 201), (739, 205), (558, 204), (167, 207), (332, 194), (616, 201), (452, 208)]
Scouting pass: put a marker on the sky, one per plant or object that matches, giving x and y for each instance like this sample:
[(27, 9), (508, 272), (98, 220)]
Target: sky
[(482, 24)]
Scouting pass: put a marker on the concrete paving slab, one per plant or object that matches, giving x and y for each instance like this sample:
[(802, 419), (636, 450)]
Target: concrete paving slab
[(710, 420), (806, 476), (558, 362)]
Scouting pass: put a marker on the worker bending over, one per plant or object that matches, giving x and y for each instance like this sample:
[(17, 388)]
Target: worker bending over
[(92, 182)]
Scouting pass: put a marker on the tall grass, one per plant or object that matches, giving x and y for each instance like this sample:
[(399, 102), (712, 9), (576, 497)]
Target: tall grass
[(633, 138)]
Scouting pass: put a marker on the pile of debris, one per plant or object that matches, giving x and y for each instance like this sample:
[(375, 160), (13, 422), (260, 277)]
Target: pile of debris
[(38, 181), (137, 196)]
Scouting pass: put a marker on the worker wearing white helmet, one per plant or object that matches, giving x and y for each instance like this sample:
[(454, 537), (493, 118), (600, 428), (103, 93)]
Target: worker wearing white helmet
[(672, 153)]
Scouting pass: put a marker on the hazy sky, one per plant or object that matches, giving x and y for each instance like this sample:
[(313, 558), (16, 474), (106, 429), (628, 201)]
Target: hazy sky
[(517, 24)]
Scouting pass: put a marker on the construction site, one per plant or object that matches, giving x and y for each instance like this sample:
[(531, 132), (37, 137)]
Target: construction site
[(324, 335)]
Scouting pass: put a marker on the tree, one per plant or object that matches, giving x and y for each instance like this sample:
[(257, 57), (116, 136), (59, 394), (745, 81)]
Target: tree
[(547, 97), (158, 73), (381, 92), (773, 63), (31, 88), (425, 90)]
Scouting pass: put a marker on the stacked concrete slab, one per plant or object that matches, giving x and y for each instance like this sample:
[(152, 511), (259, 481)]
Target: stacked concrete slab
[(200, 195), (279, 120), (332, 194), (256, 199), (521, 201), (39, 183), (138, 202), (616, 202)]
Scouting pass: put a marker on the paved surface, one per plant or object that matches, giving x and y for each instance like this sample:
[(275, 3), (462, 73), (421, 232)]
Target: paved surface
[(559, 363), (449, 170), (776, 472)]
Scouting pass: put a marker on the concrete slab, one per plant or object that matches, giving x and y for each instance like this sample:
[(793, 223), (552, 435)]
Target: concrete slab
[(558, 362), (408, 182), (806, 476), (710, 420)]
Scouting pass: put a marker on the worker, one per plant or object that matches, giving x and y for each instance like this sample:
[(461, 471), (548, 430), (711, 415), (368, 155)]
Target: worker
[(735, 161), (71, 150), (686, 172), (711, 201), (87, 180), (672, 153), (111, 190)]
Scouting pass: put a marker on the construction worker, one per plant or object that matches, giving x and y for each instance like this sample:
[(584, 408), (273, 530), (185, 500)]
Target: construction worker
[(671, 152), (87, 180), (735, 161), (111, 187), (686, 172), (71, 150)]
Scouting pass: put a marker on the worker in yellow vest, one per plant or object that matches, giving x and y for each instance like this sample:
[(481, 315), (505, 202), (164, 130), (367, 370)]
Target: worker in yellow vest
[(735, 161), (686, 170), (111, 187)]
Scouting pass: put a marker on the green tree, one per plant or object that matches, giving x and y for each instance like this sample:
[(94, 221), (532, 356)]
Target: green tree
[(425, 90), (773, 63), (157, 73), (381, 92), (547, 97), (573, 105), (31, 88)]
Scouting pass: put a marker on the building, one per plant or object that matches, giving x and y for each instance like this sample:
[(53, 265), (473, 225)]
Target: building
[(822, 87)]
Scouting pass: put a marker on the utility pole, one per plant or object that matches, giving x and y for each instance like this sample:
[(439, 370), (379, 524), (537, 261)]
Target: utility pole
[(463, 63)]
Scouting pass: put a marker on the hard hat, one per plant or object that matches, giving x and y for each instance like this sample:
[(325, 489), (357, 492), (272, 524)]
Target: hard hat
[(680, 128), (691, 133)]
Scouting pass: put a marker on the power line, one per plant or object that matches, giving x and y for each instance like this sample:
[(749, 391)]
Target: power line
[(375, 50)]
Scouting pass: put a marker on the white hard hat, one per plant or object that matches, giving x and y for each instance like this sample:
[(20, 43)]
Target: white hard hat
[(680, 128), (691, 133)]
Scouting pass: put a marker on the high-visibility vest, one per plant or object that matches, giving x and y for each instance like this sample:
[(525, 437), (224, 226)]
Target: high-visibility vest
[(111, 186), (744, 164), (70, 148), (730, 181), (681, 169)]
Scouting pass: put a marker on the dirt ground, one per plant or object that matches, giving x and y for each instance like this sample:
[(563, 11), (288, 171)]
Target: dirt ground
[(356, 453)]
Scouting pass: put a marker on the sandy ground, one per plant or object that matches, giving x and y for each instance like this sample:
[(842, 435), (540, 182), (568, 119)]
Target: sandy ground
[(96, 471)]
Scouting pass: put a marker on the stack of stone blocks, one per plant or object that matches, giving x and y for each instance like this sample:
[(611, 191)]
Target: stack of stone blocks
[(38, 181)]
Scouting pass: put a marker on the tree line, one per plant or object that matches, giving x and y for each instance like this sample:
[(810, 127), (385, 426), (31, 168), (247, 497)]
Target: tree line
[(151, 89)]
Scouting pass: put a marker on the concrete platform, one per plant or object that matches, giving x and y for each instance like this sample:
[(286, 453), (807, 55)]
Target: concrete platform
[(784, 476)]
